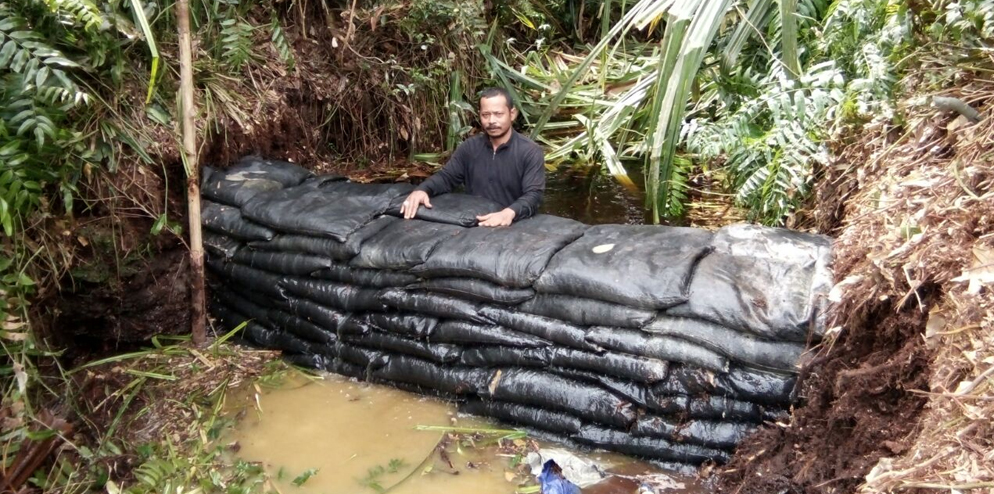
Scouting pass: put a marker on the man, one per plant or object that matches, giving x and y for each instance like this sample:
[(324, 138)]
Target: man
[(501, 165)]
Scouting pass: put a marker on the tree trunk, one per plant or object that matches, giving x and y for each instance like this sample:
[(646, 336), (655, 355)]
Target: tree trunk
[(198, 318)]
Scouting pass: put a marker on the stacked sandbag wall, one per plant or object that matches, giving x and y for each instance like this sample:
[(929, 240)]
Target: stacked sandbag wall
[(663, 342)]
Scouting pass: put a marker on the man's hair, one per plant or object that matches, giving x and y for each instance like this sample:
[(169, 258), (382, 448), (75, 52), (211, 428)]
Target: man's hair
[(492, 92)]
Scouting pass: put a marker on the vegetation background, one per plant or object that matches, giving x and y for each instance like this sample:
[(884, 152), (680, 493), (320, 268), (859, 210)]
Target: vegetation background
[(801, 110)]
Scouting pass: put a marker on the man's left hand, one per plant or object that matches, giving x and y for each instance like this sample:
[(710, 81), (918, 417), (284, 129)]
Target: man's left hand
[(500, 218)]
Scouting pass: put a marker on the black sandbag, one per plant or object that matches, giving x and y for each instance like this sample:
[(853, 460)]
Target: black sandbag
[(479, 334), (275, 340), (300, 327), (587, 311), (505, 356), (512, 256), (641, 369), (308, 360), (373, 278), (323, 207), (227, 317), (549, 391), (339, 251), (282, 262), (410, 325), (542, 327), (453, 209), (453, 380), (514, 413), (440, 353), (244, 306), (639, 394), (769, 298), (644, 266), (259, 281), (659, 347), (353, 326), (260, 299), (710, 433), (737, 346), (236, 187), (403, 244), (228, 220), (724, 408), (768, 388), (220, 245), (335, 295), (250, 176), (432, 304), (368, 360), (649, 447), (478, 290), (316, 313)]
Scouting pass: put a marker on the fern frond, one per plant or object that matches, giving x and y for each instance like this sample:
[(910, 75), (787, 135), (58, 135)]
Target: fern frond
[(236, 42), (77, 13), (281, 44)]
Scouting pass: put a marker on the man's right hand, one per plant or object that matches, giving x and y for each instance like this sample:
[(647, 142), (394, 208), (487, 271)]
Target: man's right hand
[(410, 205)]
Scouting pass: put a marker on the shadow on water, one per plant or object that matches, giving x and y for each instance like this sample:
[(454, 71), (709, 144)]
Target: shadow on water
[(337, 436)]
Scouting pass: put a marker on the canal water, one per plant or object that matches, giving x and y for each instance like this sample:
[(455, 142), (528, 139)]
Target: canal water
[(336, 436)]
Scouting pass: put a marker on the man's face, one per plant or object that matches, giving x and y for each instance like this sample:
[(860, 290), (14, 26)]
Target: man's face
[(496, 117)]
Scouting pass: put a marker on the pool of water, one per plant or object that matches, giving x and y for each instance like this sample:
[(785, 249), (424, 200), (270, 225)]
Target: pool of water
[(359, 438)]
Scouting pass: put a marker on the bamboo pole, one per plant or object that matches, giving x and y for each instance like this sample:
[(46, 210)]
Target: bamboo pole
[(197, 310)]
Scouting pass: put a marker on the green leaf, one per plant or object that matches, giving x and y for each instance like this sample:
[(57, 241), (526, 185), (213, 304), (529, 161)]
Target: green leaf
[(300, 479), (159, 223)]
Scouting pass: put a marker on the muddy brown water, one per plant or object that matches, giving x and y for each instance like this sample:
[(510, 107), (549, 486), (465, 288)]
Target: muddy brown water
[(353, 433)]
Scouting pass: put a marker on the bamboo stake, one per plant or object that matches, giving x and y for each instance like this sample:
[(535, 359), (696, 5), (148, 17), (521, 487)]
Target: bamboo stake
[(197, 311)]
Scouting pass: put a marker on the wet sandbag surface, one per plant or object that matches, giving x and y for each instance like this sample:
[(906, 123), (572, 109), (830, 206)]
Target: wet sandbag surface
[(512, 256), (667, 343), (645, 266), (453, 209), (249, 177)]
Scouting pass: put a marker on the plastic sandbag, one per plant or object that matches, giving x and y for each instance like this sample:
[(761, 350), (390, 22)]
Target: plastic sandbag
[(282, 262), (374, 278), (262, 282), (244, 306), (587, 311), (308, 360), (316, 313), (512, 256), (368, 360), (638, 394), (659, 347), (505, 356), (381, 341), (326, 247), (724, 408), (554, 392), (432, 304), (542, 327), (520, 414), (453, 209), (453, 380), (477, 290), (228, 220), (754, 385), (249, 177), (403, 245), (737, 346), (478, 334), (297, 326), (641, 369), (650, 447), (768, 298), (721, 435), (278, 340), (644, 266), (410, 325), (353, 326), (323, 207), (221, 246), (335, 295)]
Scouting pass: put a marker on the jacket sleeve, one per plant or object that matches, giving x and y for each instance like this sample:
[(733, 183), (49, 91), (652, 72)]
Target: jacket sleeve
[(450, 176), (532, 186)]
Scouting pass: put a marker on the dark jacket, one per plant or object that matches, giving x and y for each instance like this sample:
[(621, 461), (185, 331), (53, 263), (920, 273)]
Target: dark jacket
[(512, 176)]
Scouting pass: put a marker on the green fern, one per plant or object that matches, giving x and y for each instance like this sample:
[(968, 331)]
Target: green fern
[(281, 44), (77, 12), (236, 43)]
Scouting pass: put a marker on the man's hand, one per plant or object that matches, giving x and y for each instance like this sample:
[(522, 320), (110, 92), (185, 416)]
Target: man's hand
[(500, 218), (410, 206)]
